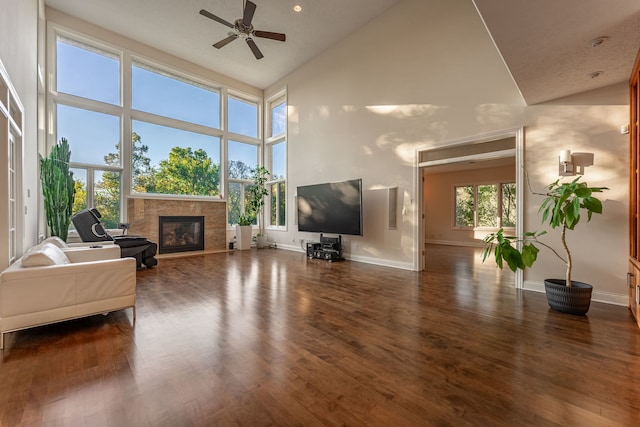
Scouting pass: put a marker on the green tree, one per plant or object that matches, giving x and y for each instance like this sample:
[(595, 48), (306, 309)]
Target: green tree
[(80, 201), (108, 187), (188, 172), (487, 205), (465, 206), (509, 204), (239, 170), (107, 198), (142, 173)]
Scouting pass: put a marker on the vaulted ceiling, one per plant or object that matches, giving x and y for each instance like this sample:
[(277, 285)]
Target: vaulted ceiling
[(547, 44)]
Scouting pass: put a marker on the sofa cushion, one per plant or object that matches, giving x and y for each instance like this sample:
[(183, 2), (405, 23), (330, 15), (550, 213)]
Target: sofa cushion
[(44, 254), (56, 241)]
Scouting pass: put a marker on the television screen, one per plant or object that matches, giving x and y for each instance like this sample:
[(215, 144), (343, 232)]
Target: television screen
[(334, 207)]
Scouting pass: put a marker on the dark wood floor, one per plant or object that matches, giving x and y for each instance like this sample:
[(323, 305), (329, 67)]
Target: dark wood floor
[(268, 337)]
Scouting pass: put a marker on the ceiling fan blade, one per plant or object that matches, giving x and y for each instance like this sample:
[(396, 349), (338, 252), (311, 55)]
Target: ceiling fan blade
[(226, 41), (269, 35), (254, 48), (249, 10), (215, 18)]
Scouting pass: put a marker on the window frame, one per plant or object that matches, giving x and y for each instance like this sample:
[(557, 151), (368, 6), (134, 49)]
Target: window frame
[(55, 98), (270, 141), (127, 114), (237, 137)]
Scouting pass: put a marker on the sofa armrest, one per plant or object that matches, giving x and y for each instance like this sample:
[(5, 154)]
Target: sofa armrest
[(78, 254), (48, 272), (37, 289)]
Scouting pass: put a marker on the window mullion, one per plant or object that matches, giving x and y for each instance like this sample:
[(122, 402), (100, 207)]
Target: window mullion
[(499, 201)]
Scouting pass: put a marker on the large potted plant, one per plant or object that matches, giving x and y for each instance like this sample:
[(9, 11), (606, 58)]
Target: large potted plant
[(58, 188), (253, 210), (563, 207)]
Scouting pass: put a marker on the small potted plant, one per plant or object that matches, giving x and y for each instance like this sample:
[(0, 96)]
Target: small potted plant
[(563, 206), (253, 209)]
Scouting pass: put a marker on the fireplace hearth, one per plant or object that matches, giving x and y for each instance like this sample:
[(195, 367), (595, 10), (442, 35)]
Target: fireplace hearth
[(180, 234)]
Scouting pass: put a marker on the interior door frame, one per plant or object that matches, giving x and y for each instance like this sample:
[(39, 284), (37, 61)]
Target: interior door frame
[(518, 135)]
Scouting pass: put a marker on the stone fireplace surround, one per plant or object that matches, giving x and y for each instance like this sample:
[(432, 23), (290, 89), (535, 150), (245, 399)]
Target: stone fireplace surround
[(143, 217)]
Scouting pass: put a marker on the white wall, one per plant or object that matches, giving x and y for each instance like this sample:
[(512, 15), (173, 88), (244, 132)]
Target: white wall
[(599, 248), (424, 73), (18, 53)]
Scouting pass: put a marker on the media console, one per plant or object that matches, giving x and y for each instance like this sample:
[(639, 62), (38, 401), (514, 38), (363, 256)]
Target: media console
[(329, 249)]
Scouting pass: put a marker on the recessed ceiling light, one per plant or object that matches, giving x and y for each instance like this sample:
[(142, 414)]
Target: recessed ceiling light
[(297, 8), (598, 41)]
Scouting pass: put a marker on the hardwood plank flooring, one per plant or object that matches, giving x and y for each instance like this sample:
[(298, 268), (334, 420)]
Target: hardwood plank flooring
[(268, 337)]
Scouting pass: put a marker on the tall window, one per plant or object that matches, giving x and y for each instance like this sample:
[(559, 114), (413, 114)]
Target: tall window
[(487, 205), (170, 122), (89, 116), (243, 159), (243, 152), (276, 160), (170, 152)]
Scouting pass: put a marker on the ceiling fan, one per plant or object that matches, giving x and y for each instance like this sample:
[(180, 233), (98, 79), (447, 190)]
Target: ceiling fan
[(244, 29)]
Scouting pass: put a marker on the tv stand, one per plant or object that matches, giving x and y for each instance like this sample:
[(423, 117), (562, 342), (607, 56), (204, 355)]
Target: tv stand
[(329, 249)]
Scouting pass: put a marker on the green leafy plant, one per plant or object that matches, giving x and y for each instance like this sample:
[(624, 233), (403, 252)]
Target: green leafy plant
[(255, 198), (58, 188), (244, 220), (563, 206)]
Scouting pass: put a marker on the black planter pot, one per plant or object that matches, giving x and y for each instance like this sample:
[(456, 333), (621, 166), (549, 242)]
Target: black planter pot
[(572, 300)]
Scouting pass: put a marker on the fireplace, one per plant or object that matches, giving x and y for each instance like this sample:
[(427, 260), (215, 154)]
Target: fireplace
[(180, 234)]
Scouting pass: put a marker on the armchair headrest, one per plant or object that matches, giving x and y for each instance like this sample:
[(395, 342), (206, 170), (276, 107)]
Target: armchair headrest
[(88, 226)]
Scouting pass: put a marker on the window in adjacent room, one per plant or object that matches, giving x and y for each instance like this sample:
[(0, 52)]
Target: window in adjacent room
[(485, 206), (465, 206)]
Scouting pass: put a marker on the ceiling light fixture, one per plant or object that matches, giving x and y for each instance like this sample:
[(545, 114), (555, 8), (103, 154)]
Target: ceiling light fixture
[(297, 8), (598, 41)]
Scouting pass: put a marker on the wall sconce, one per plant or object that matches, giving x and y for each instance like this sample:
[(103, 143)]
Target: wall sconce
[(574, 163)]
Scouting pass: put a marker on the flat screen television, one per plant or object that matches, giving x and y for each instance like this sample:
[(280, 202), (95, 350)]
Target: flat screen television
[(333, 207)]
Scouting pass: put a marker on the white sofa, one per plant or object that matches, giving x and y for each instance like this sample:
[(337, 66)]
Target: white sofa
[(50, 284)]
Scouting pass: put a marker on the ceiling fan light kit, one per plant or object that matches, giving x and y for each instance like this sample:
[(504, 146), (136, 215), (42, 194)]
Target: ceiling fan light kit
[(243, 28)]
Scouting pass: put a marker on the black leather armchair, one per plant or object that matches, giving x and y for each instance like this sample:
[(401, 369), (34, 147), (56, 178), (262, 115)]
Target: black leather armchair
[(90, 229)]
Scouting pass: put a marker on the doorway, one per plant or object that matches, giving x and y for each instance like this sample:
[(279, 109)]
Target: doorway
[(481, 156)]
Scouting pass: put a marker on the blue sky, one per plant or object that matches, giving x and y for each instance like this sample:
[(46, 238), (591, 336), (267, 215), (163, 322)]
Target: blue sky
[(93, 135)]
